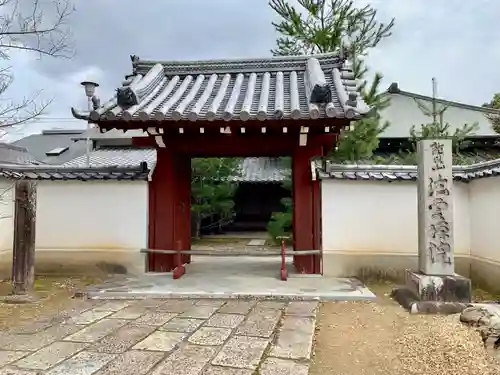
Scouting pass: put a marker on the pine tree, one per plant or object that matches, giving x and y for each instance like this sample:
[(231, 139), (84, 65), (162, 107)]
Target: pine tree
[(212, 190), (495, 119), (321, 26)]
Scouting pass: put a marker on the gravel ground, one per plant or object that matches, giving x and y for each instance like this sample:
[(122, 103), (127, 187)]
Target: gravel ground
[(355, 338)]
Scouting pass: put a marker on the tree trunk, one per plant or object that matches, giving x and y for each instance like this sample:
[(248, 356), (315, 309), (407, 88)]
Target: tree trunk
[(197, 225), (23, 254)]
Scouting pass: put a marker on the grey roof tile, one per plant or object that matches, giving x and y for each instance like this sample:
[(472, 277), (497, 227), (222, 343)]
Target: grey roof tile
[(293, 87), (262, 170), (39, 144), (251, 169), (404, 172), (15, 154), (32, 172), (115, 157)]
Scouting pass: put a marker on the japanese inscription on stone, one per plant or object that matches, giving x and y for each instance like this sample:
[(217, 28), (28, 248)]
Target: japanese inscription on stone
[(435, 207)]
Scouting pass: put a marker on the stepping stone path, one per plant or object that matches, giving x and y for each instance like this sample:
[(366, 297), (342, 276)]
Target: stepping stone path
[(160, 337)]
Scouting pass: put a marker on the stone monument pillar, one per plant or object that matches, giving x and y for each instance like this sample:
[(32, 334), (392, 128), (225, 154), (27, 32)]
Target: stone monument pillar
[(435, 207), (435, 287)]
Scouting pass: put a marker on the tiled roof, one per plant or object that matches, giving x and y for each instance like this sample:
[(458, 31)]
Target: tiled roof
[(32, 172), (13, 154), (116, 157), (251, 169), (39, 144), (465, 157), (404, 172), (262, 170), (293, 87)]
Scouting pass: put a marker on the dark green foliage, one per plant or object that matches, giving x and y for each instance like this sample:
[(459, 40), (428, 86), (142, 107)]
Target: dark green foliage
[(281, 222), (495, 119), (361, 139), (211, 190), (321, 26)]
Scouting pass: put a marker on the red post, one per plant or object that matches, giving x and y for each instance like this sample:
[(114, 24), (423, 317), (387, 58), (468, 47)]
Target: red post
[(284, 273), (179, 269)]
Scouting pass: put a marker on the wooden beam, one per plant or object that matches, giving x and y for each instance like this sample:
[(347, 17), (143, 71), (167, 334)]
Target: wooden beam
[(258, 253), (23, 253), (270, 124)]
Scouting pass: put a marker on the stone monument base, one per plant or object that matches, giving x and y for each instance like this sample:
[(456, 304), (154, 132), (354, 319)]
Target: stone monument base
[(433, 294)]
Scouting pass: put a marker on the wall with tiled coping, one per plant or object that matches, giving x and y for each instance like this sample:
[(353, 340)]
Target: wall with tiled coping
[(83, 224), (371, 226), (368, 226)]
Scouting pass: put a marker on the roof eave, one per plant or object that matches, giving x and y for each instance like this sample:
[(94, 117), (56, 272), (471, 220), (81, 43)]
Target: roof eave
[(395, 90)]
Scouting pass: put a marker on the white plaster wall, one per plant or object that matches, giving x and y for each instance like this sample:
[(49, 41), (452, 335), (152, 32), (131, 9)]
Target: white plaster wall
[(6, 215), (101, 215), (380, 217), (485, 211), (403, 113)]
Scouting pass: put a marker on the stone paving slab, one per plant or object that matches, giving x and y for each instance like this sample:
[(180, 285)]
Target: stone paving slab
[(211, 336), (237, 307), (155, 337), (129, 312), (133, 362), (13, 371), (225, 320), (161, 341), (9, 356), (260, 323), (90, 316), (155, 319), (122, 339), (176, 305), (182, 325), (241, 352), (84, 363), (276, 366), (190, 360), (199, 312), (305, 308), (96, 331), (295, 338), (50, 355), (38, 340), (218, 370)]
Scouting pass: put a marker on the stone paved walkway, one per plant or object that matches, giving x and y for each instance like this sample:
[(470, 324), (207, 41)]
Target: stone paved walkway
[(155, 337)]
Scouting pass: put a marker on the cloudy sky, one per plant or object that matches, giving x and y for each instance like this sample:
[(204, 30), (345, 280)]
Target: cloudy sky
[(456, 41)]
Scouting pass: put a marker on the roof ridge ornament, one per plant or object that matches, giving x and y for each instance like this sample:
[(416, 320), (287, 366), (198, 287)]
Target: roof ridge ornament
[(131, 95), (318, 89)]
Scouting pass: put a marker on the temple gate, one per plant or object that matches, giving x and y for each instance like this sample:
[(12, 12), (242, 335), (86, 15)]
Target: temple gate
[(284, 106)]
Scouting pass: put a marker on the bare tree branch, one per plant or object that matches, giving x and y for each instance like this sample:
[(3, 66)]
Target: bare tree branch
[(38, 26)]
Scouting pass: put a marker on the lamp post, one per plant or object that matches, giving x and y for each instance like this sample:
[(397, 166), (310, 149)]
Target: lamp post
[(90, 87)]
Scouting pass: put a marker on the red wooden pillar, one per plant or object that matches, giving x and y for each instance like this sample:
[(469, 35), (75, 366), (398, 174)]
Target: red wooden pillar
[(169, 209), (304, 199), (317, 236), (161, 212), (182, 219)]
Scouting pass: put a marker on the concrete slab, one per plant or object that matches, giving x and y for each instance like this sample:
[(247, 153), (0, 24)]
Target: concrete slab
[(240, 278)]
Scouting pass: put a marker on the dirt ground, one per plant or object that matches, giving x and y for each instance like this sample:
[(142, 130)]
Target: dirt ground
[(53, 293), (355, 338)]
